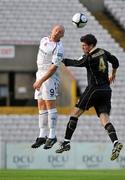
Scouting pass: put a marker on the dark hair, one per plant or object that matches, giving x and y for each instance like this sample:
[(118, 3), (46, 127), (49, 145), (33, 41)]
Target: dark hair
[(89, 39)]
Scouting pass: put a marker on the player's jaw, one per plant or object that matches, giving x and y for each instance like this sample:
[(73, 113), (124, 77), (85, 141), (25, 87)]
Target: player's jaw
[(86, 48), (56, 36)]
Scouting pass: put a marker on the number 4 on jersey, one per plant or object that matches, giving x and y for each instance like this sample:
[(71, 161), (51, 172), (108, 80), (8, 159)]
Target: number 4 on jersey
[(102, 65)]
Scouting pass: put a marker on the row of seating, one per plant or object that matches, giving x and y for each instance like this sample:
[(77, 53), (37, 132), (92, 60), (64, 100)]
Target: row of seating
[(117, 10), (25, 129)]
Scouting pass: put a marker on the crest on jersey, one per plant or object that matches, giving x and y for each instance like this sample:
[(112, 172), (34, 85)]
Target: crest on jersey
[(60, 54)]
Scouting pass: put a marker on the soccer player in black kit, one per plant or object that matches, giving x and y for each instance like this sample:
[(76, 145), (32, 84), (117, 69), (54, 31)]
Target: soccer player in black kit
[(98, 92)]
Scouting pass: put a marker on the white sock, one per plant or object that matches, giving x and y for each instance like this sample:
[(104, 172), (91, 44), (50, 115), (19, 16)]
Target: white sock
[(43, 122), (52, 121)]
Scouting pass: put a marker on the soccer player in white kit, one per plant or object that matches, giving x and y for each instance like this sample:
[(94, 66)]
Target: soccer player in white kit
[(49, 59)]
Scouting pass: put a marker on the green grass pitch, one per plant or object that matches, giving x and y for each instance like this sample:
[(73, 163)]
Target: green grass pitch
[(62, 174)]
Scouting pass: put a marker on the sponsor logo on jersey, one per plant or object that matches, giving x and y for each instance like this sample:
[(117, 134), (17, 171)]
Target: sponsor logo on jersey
[(101, 52)]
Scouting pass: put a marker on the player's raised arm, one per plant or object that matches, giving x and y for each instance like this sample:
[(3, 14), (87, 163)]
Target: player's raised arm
[(73, 62)]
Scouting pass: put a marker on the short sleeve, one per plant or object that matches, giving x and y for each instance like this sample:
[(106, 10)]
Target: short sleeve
[(58, 55)]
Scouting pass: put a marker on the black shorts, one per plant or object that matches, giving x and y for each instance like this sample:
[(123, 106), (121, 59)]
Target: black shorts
[(98, 97)]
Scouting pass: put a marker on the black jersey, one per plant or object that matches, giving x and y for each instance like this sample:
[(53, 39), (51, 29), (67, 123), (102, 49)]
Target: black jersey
[(96, 64)]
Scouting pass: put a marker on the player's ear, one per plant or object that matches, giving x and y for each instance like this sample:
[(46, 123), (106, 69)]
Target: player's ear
[(91, 46)]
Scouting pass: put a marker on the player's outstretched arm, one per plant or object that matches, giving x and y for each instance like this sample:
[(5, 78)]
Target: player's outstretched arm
[(75, 63)]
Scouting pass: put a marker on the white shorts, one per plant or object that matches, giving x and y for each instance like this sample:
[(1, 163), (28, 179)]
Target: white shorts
[(49, 90)]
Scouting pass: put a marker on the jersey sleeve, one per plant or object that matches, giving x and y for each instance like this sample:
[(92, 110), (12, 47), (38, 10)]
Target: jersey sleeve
[(112, 59), (58, 56), (42, 41), (81, 62)]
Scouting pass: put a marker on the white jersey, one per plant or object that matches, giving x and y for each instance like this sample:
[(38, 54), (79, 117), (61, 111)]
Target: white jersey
[(49, 53)]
